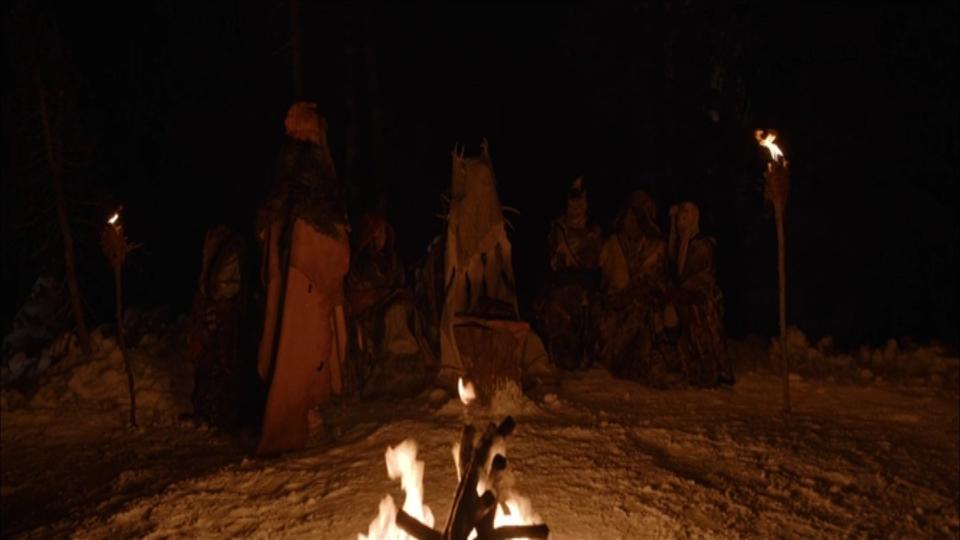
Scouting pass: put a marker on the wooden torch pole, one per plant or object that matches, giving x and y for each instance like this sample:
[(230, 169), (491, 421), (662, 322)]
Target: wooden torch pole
[(777, 192), (122, 342), (782, 271), (114, 245)]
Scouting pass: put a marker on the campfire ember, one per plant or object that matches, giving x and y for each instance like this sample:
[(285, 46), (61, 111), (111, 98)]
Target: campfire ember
[(483, 505)]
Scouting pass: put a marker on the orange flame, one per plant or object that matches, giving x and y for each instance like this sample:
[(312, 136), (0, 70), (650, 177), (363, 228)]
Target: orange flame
[(402, 463), (113, 219), (766, 141)]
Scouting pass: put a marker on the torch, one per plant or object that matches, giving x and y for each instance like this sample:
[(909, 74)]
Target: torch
[(113, 243), (776, 191)]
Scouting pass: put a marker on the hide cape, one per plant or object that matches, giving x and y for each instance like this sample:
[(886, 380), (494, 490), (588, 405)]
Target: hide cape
[(306, 254)]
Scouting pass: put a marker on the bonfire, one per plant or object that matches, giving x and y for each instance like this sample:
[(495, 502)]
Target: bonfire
[(484, 506)]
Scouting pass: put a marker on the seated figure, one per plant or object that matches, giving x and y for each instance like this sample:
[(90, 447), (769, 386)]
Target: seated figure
[(563, 308), (697, 298), (629, 310), (388, 354)]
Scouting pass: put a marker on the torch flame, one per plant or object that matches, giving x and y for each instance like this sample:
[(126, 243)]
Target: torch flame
[(113, 219), (766, 140), (467, 391)]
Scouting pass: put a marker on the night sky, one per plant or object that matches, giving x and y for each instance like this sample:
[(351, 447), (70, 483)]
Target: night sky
[(175, 110)]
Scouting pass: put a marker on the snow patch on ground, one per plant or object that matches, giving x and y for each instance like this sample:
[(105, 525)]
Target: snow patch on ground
[(932, 365), (97, 388), (602, 458)]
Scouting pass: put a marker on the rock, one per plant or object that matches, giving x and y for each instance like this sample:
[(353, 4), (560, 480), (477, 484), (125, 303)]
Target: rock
[(825, 345), (551, 399), (891, 351), (438, 396), (866, 375), (795, 378)]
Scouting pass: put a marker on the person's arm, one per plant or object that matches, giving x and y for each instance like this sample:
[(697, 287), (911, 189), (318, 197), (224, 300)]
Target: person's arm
[(698, 280)]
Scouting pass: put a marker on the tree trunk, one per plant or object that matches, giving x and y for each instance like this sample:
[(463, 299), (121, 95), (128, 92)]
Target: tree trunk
[(122, 343), (373, 102), (69, 255), (296, 50), (781, 267)]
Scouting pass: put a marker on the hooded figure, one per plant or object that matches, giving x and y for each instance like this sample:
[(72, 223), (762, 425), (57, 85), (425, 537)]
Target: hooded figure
[(697, 298), (563, 308), (388, 354), (222, 341), (306, 254), (630, 322)]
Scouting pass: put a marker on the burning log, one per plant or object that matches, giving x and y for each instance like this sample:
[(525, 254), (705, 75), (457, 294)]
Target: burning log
[(470, 510)]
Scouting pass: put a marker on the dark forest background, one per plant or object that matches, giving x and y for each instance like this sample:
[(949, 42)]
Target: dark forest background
[(175, 110)]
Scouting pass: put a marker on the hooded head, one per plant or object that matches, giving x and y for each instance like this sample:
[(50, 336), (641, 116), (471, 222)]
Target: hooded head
[(639, 216), (374, 232), (684, 225), (577, 204), (303, 123)]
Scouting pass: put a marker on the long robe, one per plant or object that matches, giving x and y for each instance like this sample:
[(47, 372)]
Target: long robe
[(628, 311), (306, 372), (703, 345)]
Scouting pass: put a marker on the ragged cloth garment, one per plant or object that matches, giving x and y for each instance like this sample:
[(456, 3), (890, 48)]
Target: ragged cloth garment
[(563, 307), (388, 353), (699, 302), (478, 267), (629, 311)]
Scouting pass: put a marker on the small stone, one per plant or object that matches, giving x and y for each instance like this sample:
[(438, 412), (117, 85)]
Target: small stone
[(438, 395)]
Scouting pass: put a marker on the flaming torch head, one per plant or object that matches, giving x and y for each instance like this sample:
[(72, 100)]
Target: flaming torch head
[(777, 178), (113, 242), (766, 140)]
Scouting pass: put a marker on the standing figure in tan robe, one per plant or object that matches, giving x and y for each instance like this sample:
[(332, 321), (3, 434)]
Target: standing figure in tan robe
[(698, 300), (306, 254)]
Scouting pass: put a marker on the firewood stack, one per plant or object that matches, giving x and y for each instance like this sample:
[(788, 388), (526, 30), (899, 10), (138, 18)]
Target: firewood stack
[(471, 511)]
